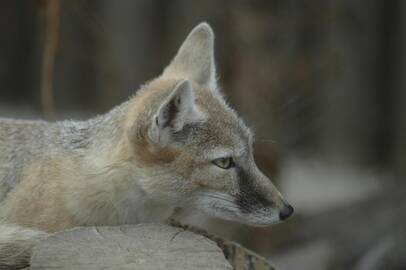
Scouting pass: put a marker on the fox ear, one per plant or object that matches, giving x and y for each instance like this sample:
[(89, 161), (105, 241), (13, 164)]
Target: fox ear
[(177, 110), (195, 58)]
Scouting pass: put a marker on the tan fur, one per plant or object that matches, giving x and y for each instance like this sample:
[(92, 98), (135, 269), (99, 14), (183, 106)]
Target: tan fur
[(138, 122), (45, 207)]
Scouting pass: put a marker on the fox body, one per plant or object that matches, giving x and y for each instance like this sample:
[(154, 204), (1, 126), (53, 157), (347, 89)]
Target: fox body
[(175, 145)]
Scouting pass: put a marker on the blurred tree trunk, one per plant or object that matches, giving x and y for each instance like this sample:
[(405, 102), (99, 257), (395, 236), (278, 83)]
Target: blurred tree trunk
[(363, 82), (76, 81), (19, 76), (133, 48), (351, 80), (400, 98)]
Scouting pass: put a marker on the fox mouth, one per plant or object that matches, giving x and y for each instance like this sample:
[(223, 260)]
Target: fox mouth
[(225, 206)]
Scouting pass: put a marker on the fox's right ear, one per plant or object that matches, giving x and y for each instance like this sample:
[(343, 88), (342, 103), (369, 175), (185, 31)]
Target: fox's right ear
[(195, 58), (176, 111)]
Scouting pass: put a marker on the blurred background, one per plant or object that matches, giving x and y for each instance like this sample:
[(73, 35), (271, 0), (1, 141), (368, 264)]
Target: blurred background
[(322, 84)]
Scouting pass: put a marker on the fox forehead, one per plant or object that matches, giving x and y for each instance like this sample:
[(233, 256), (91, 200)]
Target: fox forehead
[(223, 132)]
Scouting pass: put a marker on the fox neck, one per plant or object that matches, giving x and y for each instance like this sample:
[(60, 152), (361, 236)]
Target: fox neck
[(110, 190)]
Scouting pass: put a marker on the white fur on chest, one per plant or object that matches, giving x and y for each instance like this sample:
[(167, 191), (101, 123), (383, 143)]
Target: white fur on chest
[(137, 207)]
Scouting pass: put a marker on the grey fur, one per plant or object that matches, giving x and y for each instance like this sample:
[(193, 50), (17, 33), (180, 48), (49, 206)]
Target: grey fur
[(22, 141)]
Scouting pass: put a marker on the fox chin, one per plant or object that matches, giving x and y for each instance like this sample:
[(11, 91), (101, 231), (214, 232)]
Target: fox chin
[(175, 144)]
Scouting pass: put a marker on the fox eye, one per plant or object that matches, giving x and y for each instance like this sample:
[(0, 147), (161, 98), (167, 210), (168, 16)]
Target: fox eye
[(224, 163)]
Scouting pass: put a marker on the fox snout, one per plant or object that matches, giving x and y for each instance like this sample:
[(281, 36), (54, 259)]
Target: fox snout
[(259, 201)]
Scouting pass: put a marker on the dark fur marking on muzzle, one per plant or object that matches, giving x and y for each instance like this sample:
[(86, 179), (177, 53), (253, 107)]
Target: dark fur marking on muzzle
[(249, 199)]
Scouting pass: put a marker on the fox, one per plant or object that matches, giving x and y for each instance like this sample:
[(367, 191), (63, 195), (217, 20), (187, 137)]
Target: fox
[(175, 145)]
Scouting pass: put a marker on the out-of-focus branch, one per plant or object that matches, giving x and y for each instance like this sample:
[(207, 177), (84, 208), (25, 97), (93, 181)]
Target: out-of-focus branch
[(48, 57)]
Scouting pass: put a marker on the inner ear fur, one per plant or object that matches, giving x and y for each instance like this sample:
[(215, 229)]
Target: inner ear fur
[(175, 113)]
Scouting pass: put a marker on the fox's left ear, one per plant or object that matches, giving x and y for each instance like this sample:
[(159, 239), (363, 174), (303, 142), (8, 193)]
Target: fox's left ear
[(175, 112), (195, 58)]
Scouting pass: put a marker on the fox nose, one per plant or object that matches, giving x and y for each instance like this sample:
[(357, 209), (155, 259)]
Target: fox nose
[(286, 212)]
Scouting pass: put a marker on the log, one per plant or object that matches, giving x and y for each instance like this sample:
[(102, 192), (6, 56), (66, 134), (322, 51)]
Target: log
[(143, 246), (238, 256)]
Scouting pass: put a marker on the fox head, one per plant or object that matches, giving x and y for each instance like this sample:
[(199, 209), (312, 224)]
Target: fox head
[(192, 148)]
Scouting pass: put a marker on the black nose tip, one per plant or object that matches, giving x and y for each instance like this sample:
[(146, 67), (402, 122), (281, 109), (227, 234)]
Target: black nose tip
[(286, 212)]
